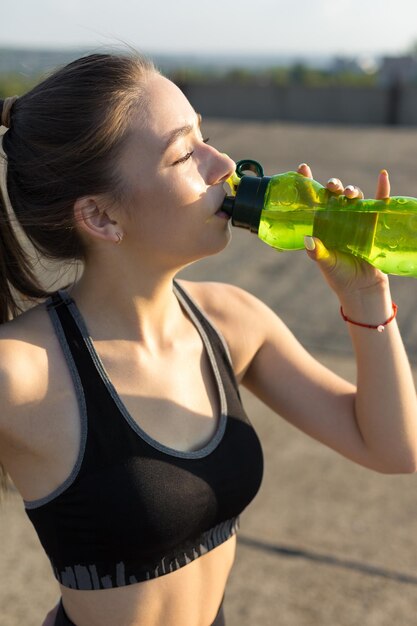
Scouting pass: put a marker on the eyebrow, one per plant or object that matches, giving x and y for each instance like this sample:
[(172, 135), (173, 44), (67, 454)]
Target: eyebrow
[(181, 132)]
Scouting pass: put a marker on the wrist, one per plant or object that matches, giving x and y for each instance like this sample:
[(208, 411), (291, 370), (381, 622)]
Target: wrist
[(379, 327), (372, 306)]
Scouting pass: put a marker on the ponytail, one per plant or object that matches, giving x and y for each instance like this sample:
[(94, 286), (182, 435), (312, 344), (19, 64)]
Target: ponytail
[(16, 274)]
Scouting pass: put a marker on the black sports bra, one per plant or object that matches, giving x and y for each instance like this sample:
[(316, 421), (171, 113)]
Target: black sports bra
[(133, 509)]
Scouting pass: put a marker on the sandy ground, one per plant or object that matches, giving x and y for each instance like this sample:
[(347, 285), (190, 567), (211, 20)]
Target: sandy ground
[(325, 542)]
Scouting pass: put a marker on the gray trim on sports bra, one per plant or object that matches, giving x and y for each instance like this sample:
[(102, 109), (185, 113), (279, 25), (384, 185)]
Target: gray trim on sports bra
[(79, 391), (214, 327), (192, 454)]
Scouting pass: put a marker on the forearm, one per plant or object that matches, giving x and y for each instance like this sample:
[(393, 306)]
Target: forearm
[(385, 404)]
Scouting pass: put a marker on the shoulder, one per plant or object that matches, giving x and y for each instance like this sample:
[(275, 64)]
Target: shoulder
[(241, 318), (28, 329), (23, 360), (222, 300)]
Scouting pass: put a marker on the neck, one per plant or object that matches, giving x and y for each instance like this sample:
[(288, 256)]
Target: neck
[(134, 305)]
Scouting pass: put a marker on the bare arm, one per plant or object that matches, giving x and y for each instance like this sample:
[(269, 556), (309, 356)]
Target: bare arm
[(374, 423)]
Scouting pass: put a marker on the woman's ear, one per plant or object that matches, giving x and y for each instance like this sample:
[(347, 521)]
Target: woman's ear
[(94, 220)]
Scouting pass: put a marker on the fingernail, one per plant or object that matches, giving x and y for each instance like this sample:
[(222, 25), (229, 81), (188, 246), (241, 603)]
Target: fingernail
[(384, 172), (302, 165), (350, 188), (332, 181), (309, 243), (321, 251)]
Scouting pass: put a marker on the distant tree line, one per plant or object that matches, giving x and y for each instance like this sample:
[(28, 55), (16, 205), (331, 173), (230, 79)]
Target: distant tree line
[(12, 84), (16, 83), (297, 73)]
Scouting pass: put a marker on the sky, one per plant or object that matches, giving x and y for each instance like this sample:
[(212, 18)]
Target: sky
[(314, 27)]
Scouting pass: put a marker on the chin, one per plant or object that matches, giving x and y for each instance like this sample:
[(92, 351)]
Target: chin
[(223, 240), (213, 247)]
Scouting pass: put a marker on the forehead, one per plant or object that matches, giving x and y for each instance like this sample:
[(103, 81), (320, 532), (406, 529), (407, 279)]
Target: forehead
[(165, 109)]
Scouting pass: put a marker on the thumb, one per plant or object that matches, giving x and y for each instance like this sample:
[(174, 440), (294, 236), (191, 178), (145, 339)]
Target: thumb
[(317, 251)]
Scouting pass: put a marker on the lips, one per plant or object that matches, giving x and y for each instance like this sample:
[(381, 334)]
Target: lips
[(221, 213)]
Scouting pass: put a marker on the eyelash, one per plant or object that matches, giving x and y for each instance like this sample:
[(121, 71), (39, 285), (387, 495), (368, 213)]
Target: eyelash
[(189, 154)]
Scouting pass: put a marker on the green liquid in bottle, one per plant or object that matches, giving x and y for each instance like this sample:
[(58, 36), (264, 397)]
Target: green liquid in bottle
[(382, 232)]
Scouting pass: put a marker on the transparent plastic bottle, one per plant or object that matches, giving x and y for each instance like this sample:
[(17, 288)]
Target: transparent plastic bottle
[(282, 209)]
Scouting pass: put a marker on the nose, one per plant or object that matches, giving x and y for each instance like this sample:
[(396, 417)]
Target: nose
[(221, 168)]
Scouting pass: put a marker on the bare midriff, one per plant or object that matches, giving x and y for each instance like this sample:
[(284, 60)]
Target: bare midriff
[(190, 596)]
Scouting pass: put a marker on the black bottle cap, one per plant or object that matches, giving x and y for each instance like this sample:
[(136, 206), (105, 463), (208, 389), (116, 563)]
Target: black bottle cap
[(245, 208)]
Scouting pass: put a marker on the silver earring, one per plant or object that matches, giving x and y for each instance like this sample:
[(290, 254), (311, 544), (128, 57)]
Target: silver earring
[(119, 237)]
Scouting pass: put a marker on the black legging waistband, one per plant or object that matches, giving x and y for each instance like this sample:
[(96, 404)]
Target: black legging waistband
[(62, 618)]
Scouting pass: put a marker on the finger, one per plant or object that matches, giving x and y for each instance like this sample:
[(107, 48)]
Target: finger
[(335, 186), (317, 251), (304, 170), (383, 188), (351, 191)]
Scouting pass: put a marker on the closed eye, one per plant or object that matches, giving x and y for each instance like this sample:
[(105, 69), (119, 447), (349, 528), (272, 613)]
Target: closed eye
[(184, 158), (189, 154)]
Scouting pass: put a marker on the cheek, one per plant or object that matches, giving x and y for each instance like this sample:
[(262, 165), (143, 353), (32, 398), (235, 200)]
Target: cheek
[(156, 202), (192, 183), (185, 183)]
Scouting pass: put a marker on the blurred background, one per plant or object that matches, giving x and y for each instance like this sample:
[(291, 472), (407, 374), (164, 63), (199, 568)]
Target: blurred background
[(333, 84), (345, 62)]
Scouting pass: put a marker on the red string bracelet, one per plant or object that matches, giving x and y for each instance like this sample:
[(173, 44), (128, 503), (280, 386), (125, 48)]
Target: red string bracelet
[(380, 327)]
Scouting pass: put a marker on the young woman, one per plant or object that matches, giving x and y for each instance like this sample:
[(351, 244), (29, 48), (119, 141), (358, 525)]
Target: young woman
[(121, 422)]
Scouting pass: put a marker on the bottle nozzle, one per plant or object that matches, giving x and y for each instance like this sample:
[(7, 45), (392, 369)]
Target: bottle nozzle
[(228, 204), (245, 203)]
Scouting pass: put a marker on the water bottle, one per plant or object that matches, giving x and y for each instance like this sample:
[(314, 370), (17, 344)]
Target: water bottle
[(282, 209)]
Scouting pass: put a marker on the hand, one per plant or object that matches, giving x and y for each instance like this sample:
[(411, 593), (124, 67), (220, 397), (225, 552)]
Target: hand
[(344, 272), (335, 184)]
